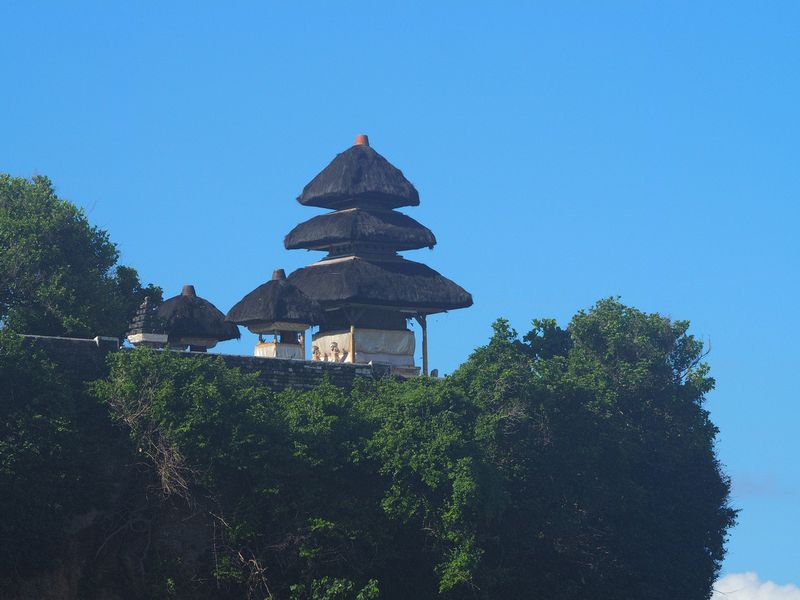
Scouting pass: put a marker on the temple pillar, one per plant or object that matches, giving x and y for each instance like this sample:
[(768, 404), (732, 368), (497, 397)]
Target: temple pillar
[(423, 323)]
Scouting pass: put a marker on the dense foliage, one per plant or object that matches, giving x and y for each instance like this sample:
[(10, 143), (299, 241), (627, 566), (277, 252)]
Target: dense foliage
[(59, 274), (569, 464), (610, 487)]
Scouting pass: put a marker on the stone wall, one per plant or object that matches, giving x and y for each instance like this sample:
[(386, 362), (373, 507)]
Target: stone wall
[(78, 359), (85, 360)]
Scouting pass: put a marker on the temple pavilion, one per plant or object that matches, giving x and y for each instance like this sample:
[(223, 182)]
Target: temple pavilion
[(277, 309), (185, 320), (367, 290)]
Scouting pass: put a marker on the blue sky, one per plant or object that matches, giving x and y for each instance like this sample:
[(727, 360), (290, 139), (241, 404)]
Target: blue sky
[(564, 152)]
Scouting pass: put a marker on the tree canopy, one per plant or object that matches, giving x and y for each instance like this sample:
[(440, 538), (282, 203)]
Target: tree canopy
[(609, 486), (568, 464), (59, 274), (565, 464)]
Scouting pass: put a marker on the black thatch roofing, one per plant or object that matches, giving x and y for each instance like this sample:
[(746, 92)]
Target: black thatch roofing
[(146, 320), (387, 227), (276, 301), (397, 283), (359, 176), (188, 315)]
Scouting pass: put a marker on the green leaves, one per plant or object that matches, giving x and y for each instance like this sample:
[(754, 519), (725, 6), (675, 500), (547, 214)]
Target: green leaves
[(329, 588), (573, 463), (605, 458), (58, 273)]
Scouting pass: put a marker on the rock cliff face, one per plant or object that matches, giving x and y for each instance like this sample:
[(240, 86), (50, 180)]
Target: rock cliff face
[(116, 554)]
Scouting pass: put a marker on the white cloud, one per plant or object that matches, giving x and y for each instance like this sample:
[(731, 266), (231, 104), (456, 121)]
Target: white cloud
[(747, 586)]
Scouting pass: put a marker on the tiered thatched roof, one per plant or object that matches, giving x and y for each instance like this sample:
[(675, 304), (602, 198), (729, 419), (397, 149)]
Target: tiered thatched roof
[(362, 237), (359, 176), (189, 316), (386, 227), (397, 283), (146, 320), (276, 301)]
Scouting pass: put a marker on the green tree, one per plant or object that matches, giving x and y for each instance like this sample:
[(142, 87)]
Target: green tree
[(604, 457), (572, 463), (59, 274), (280, 476)]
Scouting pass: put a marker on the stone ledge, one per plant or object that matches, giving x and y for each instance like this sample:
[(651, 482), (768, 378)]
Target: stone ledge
[(85, 360)]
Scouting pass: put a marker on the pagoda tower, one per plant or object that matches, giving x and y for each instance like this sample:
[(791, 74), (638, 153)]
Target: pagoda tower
[(367, 290)]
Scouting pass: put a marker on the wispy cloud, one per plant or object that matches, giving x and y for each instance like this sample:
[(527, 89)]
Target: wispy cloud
[(748, 485), (748, 586)]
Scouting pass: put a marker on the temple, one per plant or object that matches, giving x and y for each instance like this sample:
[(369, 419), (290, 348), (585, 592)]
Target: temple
[(361, 295), (367, 290)]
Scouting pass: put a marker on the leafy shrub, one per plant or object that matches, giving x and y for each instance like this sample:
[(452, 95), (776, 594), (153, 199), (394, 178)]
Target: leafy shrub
[(570, 463), (59, 274)]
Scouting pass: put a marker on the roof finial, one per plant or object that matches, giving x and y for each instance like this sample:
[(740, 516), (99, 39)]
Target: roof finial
[(188, 290), (362, 140)]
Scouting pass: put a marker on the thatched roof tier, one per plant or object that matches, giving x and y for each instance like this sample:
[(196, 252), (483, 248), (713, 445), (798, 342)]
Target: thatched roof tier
[(359, 176), (276, 301), (388, 228), (396, 283), (146, 320), (190, 316)]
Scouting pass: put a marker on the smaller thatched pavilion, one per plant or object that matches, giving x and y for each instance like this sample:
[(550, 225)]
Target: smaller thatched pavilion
[(189, 320), (279, 309)]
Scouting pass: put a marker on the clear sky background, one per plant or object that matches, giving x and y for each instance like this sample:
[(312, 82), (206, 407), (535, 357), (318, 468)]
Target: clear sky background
[(563, 152)]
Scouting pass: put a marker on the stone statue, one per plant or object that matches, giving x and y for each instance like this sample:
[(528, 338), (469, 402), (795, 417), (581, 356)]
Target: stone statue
[(335, 352)]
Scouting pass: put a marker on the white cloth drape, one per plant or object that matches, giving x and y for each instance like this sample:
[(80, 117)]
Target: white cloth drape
[(377, 345), (272, 350)]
